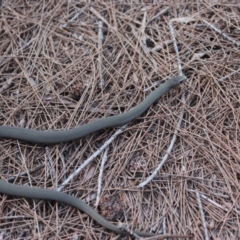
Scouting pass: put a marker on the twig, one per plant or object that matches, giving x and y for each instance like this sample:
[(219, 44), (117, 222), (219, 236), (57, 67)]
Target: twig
[(162, 236), (63, 163), (99, 16), (23, 161), (143, 46), (104, 160), (157, 47), (229, 211), (229, 75), (100, 41), (214, 203), (175, 47), (8, 58), (164, 224), (209, 200), (144, 20), (202, 216), (73, 18), (7, 84), (224, 35), (144, 38), (13, 217), (123, 227), (150, 178), (12, 178), (30, 183), (91, 158), (51, 170), (165, 10), (143, 35)]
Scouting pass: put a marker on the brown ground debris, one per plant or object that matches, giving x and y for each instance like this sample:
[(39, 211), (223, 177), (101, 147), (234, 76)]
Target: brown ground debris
[(65, 63)]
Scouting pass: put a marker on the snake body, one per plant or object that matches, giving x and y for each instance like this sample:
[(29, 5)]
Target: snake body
[(53, 137)]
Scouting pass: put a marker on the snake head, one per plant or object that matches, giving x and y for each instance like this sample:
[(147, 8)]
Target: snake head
[(183, 79), (178, 80)]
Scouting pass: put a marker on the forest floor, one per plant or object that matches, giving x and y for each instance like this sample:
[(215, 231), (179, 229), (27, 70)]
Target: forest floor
[(175, 170)]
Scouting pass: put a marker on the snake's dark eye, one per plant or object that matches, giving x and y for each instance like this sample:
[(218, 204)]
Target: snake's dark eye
[(183, 78)]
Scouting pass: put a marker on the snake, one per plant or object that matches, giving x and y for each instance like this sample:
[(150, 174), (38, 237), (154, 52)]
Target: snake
[(59, 136)]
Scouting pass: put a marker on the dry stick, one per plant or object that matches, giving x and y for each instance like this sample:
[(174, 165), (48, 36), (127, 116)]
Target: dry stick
[(91, 158), (164, 224), (209, 200), (24, 165), (229, 211), (143, 40), (224, 35), (144, 21), (102, 18), (144, 37), (6, 85), (100, 41), (73, 18), (125, 228), (12, 178), (175, 47), (146, 51), (162, 236), (114, 29), (160, 47), (63, 161), (16, 52), (29, 178), (14, 217), (214, 203), (229, 75), (51, 170), (150, 178), (165, 10), (104, 160), (73, 34), (202, 216)]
